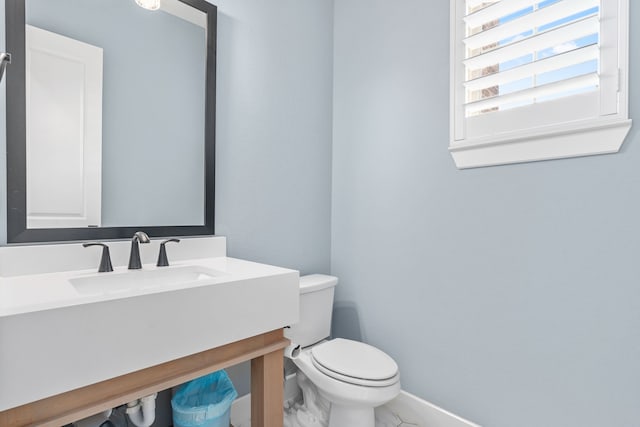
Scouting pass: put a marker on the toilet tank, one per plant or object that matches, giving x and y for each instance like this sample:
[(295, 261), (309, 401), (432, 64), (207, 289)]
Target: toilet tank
[(316, 307)]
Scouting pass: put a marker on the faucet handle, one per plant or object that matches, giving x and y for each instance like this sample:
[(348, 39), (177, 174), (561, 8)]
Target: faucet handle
[(162, 256), (105, 261)]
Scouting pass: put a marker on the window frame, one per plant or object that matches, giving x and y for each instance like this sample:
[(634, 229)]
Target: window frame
[(601, 130)]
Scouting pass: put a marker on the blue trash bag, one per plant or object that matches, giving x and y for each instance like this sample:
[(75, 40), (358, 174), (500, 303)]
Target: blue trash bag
[(204, 402)]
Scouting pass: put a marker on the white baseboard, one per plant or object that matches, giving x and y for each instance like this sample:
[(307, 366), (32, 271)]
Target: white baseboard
[(408, 408), (413, 410)]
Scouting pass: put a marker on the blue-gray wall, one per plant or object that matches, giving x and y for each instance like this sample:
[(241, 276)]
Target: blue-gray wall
[(273, 169), (274, 129), (509, 295)]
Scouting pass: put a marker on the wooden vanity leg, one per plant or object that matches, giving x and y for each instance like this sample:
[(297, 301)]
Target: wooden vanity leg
[(267, 396)]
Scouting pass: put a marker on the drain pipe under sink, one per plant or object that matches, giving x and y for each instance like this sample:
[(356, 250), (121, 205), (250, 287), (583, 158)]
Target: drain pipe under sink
[(142, 412)]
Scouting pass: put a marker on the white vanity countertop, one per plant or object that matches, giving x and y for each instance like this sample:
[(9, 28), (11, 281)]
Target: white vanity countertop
[(46, 291), (36, 277)]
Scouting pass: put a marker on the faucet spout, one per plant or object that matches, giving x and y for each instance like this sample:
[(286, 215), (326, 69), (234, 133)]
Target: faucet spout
[(134, 256), (5, 58)]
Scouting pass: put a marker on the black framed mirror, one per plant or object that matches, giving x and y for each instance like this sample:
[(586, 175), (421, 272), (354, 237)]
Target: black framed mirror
[(154, 168)]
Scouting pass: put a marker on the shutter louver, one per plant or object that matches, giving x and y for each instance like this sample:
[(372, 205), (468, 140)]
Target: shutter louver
[(521, 52)]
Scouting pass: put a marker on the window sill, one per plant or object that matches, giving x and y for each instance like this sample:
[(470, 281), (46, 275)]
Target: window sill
[(596, 137)]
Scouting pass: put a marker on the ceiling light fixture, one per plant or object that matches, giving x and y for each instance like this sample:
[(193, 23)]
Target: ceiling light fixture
[(149, 4)]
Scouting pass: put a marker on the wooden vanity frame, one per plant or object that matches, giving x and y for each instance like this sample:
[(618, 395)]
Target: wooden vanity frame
[(265, 352)]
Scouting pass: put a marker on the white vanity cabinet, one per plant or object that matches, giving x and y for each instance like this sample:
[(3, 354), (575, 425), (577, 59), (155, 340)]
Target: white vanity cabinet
[(70, 352)]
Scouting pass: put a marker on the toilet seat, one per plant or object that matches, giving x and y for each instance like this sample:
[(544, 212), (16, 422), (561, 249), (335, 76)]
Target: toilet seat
[(355, 363)]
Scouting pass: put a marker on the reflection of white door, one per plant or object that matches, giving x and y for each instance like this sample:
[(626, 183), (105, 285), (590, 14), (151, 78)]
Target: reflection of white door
[(64, 131)]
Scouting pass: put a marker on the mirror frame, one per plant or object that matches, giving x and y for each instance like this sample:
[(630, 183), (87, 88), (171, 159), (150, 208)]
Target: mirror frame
[(17, 231)]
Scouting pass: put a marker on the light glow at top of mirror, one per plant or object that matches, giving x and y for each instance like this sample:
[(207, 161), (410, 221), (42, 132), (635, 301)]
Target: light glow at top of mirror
[(149, 4)]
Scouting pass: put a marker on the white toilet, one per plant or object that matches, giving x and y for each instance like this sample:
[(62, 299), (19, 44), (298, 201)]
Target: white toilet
[(353, 376)]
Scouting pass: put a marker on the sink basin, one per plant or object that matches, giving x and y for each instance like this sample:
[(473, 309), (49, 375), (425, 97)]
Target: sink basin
[(132, 280)]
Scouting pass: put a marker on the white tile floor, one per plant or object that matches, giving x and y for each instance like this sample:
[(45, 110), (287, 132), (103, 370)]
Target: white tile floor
[(406, 410), (384, 418)]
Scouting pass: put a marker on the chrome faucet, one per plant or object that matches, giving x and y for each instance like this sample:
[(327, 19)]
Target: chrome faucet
[(134, 256)]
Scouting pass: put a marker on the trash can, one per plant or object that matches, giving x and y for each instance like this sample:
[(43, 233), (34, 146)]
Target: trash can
[(204, 402)]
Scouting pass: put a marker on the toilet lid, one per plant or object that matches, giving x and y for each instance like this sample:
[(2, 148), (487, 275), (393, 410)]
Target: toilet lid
[(354, 360)]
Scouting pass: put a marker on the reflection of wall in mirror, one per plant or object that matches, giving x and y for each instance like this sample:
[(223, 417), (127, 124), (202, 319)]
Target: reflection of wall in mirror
[(153, 106)]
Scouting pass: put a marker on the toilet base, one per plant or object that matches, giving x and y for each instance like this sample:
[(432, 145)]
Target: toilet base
[(341, 416)]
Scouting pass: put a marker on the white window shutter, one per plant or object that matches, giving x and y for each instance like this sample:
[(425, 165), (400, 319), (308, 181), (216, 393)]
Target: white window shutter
[(523, 69)]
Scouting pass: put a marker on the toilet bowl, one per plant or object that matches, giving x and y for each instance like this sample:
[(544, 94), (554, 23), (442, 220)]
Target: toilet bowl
[(353, 376), (353, 392)]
